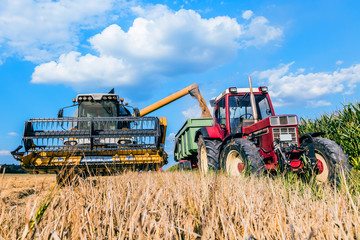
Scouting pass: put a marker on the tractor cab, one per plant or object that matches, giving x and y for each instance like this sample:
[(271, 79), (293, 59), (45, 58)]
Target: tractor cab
[(233, 109)]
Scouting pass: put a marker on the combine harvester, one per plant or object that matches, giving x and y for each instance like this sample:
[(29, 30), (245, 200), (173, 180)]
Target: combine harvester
[(246, 136), (102, 137)]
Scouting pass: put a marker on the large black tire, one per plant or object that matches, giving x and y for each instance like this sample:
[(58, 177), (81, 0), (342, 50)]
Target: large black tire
[(241, 156), (208, 154), (333, 160)]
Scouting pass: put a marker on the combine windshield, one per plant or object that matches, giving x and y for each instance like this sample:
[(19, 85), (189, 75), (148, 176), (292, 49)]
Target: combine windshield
[(95, 110), (98, 109)]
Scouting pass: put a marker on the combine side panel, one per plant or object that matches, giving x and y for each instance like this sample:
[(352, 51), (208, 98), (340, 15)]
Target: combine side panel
[(185, 145)]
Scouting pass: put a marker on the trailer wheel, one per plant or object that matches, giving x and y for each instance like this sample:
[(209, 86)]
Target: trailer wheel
[(240, 156), (331, 160), (184, 165), (208, 154)]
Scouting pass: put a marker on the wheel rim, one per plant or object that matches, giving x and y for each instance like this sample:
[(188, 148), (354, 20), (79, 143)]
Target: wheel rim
[(324, 174), (234, 163), (203, 160)]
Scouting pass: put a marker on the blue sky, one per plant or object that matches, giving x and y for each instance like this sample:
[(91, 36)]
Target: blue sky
[(307, 52)]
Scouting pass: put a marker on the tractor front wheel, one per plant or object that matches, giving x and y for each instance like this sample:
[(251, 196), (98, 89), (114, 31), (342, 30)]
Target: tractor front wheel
[(208, 154), (240, 156), (331, 160)]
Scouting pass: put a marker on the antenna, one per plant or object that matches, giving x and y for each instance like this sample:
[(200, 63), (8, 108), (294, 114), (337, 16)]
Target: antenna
[(252, 100)]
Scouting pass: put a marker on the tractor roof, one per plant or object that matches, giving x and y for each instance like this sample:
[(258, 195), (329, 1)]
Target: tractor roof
[(238, 90)]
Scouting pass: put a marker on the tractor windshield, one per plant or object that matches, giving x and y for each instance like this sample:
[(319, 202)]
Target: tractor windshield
[(240, 109), (98, 109)]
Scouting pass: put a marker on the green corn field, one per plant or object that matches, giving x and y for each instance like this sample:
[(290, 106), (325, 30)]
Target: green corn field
[(342, 126)]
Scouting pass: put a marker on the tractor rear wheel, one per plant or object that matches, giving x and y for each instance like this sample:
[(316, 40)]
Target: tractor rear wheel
[(241, 156), (331, 160), (208, 154)]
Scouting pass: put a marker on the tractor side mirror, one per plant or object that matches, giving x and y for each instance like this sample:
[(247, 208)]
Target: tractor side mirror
[(61, 113)]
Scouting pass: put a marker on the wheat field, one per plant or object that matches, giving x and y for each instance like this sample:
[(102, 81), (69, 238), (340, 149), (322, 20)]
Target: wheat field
[(177, 205)]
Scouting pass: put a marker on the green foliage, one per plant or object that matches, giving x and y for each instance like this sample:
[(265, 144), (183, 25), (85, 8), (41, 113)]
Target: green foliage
[(343, 127), (12, 168), (173, 168)]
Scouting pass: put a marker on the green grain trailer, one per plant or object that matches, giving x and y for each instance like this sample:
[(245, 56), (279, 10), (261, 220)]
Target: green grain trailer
[(185, 149)]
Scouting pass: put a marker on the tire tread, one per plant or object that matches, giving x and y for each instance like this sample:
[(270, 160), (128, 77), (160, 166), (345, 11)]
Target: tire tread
[(336, 155), (212, 150)]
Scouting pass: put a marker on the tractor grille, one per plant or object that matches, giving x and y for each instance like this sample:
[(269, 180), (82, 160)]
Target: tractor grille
[(287, 136)]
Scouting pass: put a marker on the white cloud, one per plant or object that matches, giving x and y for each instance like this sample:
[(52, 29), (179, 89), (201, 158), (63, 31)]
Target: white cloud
[(320, 103), (192, 112), (42, 30), (12, 134), (259, 32), (4, 153), (300, 70), (81, 71), (168, 42), (160, 43), (170, 137), (339, 62), (169, 149), (288, 88), (247, 14)]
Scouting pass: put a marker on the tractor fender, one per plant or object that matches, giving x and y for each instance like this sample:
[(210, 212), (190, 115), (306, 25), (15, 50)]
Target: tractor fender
[(229, 138), (202, 131), (309, 136)]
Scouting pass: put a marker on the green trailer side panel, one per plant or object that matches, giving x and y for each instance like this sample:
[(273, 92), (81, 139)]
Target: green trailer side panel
[(185, 145)]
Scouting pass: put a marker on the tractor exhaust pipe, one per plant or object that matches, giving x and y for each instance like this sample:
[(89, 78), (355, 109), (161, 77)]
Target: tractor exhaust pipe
[(252, 101)]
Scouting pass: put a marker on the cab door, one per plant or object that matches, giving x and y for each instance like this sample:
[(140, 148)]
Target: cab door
[(220, 118)]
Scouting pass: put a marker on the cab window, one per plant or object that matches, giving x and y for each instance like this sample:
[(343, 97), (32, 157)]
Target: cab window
[(221, 113), (98, 109), (263, 106)]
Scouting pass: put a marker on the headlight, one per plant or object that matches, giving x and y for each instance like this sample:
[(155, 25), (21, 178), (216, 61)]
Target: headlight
[(70, 143), (263, 89), (125, 141), (233, 90)]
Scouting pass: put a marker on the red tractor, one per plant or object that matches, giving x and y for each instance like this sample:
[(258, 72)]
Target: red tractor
[(247, 137)]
